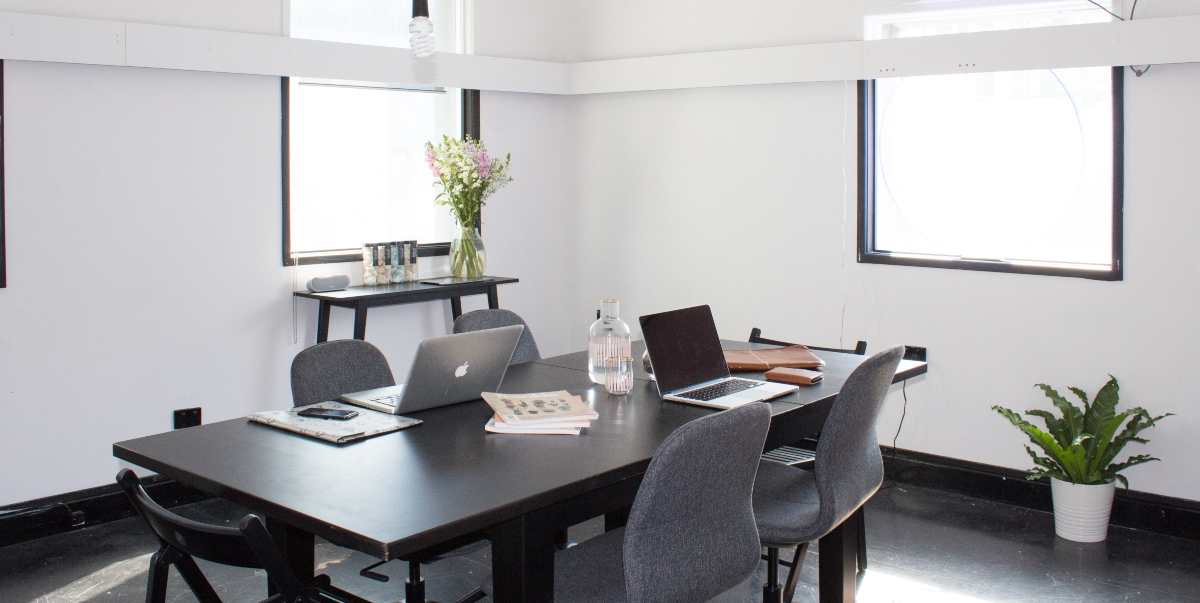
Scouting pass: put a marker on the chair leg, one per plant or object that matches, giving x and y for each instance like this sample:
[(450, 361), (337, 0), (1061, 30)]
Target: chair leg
[(789, 587), (195, 580), (156, 582), (861, 527), (414, 588), (771, 591)]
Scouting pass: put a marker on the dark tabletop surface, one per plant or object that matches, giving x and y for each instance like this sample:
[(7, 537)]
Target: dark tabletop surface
[(403, 289), (398, 493)]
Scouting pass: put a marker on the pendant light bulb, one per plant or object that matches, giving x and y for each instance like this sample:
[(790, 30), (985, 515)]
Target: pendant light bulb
[(420, 31)]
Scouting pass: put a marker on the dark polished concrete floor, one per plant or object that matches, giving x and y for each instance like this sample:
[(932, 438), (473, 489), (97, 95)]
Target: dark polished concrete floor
[(924, 545)]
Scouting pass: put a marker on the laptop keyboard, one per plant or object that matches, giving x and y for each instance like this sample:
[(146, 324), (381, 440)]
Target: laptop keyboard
[(718, 390)]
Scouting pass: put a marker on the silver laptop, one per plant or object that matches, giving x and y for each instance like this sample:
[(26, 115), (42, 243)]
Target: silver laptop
[(447, 370), (690, 367)]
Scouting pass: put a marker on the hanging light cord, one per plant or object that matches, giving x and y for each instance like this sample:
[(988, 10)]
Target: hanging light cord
[(1138, 71)]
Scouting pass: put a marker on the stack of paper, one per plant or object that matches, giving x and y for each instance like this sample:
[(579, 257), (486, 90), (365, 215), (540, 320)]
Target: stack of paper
[(545, 413)]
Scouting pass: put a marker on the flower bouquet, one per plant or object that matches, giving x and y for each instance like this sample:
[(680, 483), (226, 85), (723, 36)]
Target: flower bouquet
[(467, 175)]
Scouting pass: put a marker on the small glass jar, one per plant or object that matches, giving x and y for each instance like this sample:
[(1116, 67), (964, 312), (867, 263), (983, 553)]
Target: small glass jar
[(618, 375), (370, 275), (607, 338)]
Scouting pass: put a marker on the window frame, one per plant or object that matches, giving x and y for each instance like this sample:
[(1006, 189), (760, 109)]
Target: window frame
[(470, 127), (869, 254), (3, 180)]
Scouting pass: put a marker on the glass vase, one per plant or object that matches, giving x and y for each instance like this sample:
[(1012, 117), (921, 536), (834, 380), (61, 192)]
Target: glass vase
[(467, 256), (608, 338)]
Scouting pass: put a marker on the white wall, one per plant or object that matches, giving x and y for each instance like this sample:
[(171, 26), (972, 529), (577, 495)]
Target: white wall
[(737, 197), (253, 16), (744, 198), (144, 275)]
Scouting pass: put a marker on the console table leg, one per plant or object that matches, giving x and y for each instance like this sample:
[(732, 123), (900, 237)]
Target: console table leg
[(493, 298), (455, 307), (322, 322), (360, 322)]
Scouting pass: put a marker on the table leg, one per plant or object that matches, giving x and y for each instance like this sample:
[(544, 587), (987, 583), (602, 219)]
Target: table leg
[(837, 568), (297, 547), (323, 321), (493, 298), (455, 307), (360, 321), (523, 560)]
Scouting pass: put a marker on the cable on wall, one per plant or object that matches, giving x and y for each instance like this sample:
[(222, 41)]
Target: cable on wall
[(1132, 12), (845, 204)]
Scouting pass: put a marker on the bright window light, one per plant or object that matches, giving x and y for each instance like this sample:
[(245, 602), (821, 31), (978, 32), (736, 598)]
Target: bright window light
[(358, 171), (355, 150), (1010, 168)]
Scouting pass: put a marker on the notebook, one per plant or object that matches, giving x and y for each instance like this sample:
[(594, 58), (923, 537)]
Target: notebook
[(793, 356), (363, 426)]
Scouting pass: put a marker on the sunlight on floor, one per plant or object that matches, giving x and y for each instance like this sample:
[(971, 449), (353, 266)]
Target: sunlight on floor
[(99, 581), (882, 587)]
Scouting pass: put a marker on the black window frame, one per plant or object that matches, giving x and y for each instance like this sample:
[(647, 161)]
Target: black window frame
[(470, 127), (869, 254), (3, 180)]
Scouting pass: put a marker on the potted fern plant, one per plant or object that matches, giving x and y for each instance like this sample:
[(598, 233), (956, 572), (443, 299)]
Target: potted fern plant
[(1078, 452)]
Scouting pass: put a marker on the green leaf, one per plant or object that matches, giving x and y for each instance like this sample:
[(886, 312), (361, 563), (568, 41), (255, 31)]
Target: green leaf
[(1071, 458), (1082, 395), (1113, 470), (1056, 426), (1104, 441), (1071, 414), (1103, 407)]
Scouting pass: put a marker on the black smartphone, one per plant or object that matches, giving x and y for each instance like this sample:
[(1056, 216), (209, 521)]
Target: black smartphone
[(335, 414)]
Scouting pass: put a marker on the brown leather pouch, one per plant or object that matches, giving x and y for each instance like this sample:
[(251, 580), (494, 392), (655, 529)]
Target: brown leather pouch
[(793, 356), (794, 376)]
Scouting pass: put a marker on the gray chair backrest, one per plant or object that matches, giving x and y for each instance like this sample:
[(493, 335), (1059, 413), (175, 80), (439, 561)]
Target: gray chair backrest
[(527, 350), (848, 467), (328, 370), (691, 533)]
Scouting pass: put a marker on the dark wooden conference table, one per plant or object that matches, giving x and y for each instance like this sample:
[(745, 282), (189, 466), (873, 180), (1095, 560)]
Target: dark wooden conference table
[(447, 480)]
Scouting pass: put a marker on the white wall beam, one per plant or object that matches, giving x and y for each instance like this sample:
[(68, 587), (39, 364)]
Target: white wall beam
[(90, 41)]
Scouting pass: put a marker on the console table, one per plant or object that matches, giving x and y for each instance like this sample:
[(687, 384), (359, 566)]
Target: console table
[(362, 298)]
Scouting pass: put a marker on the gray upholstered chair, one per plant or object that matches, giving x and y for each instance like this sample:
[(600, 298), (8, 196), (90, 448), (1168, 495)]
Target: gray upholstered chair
[(478, 320), (690, 534), (328, 370), (793, 506)]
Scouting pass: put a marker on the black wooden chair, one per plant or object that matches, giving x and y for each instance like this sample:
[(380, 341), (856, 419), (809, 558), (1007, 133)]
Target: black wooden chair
[(249, 545), (803, 454)]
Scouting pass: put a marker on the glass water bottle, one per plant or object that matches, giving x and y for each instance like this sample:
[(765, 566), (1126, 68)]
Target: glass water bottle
[(607, 338)]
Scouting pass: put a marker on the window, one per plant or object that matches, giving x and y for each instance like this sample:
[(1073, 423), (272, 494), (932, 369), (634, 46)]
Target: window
[(353, 152), (1006, 172)]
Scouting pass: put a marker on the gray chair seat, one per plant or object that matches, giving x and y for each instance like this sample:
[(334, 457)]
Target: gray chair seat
[(691, 534), (592, 571), (786, 505)]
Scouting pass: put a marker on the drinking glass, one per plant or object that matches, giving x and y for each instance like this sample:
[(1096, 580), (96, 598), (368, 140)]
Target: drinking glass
[(618, 375)]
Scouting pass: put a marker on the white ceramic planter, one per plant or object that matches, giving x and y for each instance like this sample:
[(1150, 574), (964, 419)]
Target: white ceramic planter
[(1081, 511)]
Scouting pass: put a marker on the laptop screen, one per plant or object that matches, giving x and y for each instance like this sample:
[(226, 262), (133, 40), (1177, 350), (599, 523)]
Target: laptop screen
[(684, 347)]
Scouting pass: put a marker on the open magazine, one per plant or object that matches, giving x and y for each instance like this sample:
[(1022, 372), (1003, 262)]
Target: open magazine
[(543, 413)]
